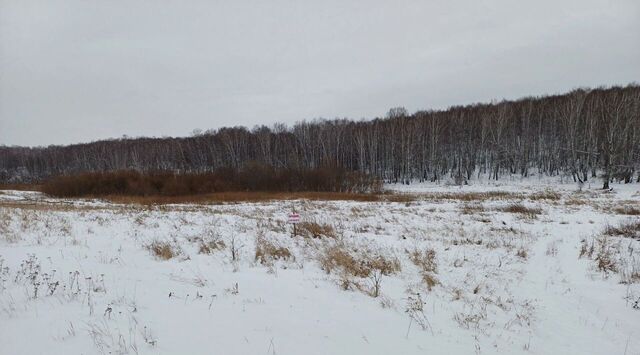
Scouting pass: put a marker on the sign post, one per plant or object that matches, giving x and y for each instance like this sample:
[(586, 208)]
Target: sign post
[(294, 218)]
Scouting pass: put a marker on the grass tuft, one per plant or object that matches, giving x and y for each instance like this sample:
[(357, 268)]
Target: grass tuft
[(164, 250), (624, 229), (316, 230)]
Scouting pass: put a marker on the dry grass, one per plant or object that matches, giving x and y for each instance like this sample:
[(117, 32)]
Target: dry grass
[(339, 257), (164, 250), (364, 264), (267, 252), (316, 230), (397, 197), (625, 229), (430, 280), (58, 206), (610, 255), (547, 194), (586, 249), (530, 212), (232, 197), (628, 210), (426, 262), (631, 274), (574, 201), (21, 187), (522, 253), (209, 245), (424, 259), (472, 208), (472, 196), (6, 232), (605, 259)]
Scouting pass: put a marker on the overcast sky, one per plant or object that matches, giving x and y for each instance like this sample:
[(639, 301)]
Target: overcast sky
[(77, 71)]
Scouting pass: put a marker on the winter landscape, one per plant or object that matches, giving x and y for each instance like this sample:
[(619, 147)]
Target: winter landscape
[(295, 177), (511, 267)]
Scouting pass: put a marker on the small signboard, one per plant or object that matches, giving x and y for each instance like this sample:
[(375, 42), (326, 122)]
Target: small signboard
[(294, 218)]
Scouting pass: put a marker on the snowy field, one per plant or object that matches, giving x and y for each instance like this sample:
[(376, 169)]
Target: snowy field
[(511, 267)]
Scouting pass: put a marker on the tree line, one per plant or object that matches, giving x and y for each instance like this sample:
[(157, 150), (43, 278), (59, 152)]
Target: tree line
[(582, 134)]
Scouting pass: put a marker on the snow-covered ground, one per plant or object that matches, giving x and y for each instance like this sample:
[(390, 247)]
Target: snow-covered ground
[(499, 268)]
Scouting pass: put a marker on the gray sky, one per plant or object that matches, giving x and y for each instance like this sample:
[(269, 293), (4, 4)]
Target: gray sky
[(77, 71)]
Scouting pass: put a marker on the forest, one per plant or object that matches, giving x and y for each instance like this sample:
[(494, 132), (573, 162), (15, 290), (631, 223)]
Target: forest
[(584, 134)]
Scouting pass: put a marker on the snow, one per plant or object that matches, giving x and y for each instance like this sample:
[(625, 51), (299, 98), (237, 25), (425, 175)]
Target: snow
[(488, 300)]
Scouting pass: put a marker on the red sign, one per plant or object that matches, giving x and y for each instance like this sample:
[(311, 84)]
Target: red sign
[(294, 218)]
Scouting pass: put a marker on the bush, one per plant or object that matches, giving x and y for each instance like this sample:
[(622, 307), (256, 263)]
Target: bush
[(253, 177)]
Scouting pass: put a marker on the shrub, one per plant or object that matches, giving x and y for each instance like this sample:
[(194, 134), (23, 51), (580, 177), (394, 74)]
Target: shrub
[(252, 177)]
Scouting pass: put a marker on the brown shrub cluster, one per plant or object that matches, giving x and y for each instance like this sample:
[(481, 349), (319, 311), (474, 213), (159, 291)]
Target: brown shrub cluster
[(253, 177)]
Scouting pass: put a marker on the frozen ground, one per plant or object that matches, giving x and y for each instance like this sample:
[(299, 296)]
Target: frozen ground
[(488, 268)]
